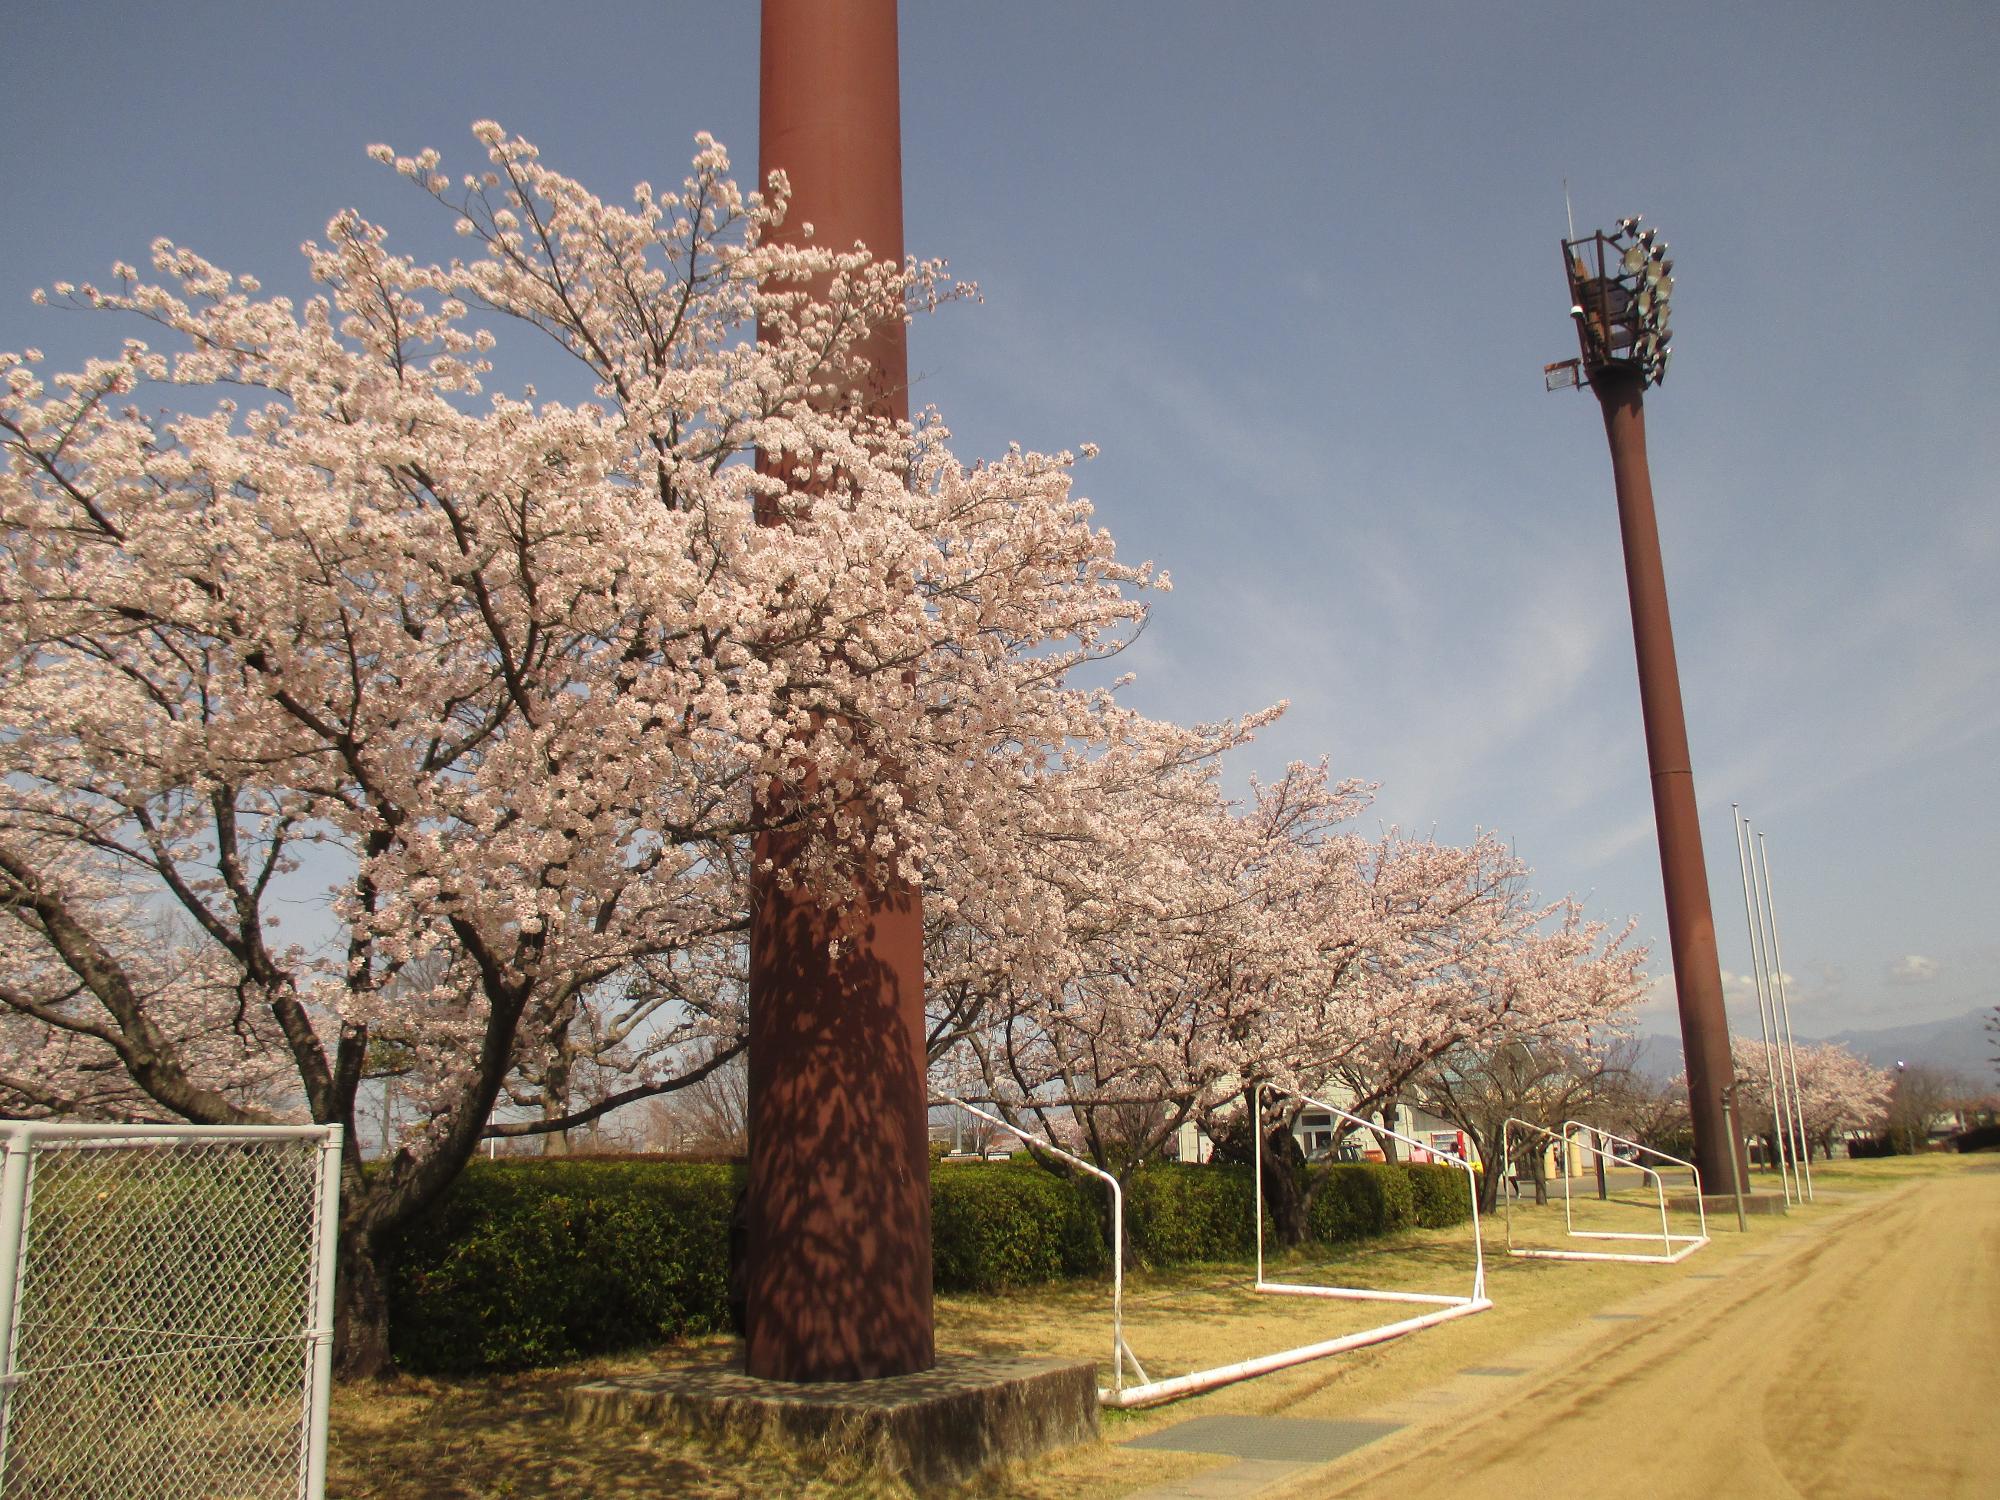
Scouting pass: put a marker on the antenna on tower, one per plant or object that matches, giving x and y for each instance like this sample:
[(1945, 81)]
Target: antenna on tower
[(1569, 212)]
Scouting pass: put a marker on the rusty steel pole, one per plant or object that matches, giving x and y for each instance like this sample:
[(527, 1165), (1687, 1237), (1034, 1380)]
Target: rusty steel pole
[(1690, 923), (838, 1250)]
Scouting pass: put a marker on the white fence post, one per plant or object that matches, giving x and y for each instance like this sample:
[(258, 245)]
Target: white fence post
[(320, 1387), (13, 1211)]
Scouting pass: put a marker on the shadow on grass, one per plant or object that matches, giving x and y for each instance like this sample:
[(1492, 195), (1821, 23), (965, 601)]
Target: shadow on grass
[(504, 1438), (1200, 1315)]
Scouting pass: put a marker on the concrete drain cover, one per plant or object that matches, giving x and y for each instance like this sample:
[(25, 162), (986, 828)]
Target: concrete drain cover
[(1286, 1439), (1500, 1371)]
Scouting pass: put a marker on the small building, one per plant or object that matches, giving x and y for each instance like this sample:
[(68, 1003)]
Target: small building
[(1323, 1136)]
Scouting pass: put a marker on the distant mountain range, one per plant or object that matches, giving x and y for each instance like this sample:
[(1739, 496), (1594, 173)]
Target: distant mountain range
[(1958, 1044)]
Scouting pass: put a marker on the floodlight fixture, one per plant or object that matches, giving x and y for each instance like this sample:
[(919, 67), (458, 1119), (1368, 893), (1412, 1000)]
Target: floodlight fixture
[(1620, 285)]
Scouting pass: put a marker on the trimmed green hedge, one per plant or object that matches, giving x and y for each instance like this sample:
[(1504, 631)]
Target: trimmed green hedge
[(1439, 1194), (1356, 1200), (535, 1262), (1979, 1138), (994, 1227), (528, 1263), (1188, 1213)]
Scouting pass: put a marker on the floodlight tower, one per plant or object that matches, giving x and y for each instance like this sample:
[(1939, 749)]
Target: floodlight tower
[(1619, 287), (837, 1257)]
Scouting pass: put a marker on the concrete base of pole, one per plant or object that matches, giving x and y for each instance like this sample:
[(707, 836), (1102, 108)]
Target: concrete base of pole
[(1723, 1205), (939, 1426)]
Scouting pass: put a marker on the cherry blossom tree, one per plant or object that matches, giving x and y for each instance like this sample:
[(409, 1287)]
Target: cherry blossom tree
[(1542, 1079), (502, 686), (1460, 959), (1465, 953), (612, 1044), (1071, 988), (1837, 1092), (1190, 950)]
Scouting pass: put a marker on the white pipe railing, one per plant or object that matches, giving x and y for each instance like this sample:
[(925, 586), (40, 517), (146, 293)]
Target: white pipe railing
[(1449, 1307), (1567, 1137), (20, 1164), (1148, 1391), (324, 1272), (1694, 1172), (1120, 1350), (140, 1135), (1471, 1188)]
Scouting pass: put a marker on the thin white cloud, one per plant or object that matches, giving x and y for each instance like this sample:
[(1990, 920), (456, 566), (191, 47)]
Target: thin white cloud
[(1659, 1002), (1914, 968), (1616, 841), (1737, 990)]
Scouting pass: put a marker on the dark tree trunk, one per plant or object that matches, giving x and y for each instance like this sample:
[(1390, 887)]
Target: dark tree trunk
[(360, 1311), (1388, 1141), (1490, 1179), (1284, 1191), (555, 1096)]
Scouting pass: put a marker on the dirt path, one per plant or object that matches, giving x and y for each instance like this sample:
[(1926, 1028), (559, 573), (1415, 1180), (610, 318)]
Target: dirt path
[(1858, 1358)]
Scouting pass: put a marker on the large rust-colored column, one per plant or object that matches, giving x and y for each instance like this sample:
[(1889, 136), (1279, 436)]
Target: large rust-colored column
[(838, 1247), (1690, 923)]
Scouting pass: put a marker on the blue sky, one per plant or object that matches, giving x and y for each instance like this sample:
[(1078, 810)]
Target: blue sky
[(1294, 269)]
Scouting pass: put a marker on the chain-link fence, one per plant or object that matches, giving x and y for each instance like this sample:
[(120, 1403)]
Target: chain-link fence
[(166, 1310)]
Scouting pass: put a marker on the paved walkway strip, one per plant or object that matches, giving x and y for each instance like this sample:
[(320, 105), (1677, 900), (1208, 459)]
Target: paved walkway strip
[(1266, 1449), (1285, 1439)]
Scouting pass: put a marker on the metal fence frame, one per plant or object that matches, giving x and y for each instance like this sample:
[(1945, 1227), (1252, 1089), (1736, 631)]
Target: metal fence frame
[(1147, 1391), (1669, 1255), (1121, 1352), (26, 1141)]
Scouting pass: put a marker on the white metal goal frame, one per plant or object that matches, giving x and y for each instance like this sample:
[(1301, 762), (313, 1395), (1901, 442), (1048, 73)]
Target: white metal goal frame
[(1448, 1305), (166, 1309), (1149, 1392), (1567, 1136), (1121, 1352), (1700, 1237)]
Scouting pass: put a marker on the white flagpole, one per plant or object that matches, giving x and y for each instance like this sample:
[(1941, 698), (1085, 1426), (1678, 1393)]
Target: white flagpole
[(1785, 1005), (1778, 1124)]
